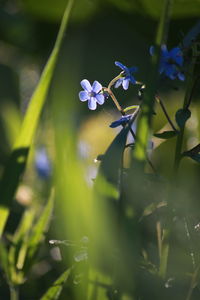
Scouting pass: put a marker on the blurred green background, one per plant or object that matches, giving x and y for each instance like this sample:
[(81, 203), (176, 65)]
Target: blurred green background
[(99, 33)]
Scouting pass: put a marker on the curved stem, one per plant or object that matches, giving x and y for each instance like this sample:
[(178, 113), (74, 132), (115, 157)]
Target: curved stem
[(114, 100), (192, 91), (114, 80), (158, 99)]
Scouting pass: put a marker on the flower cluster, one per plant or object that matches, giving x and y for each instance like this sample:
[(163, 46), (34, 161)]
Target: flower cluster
[(97, 94), (171, 62)]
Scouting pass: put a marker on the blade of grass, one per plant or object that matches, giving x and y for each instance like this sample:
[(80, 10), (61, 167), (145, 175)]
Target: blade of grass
[(145, 123), (145, 119), (18, 158), (37, 234), (55, 289), (18, 248)]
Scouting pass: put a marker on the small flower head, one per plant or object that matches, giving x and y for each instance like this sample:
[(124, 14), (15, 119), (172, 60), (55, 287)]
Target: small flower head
[(126, 76), (42, 163), (93, 94), (122, 121), (171, 62)]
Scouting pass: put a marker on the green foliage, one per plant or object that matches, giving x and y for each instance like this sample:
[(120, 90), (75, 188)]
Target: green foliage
[(182, 115), (112, 159), (37, 234), (55, 289), (25, 243), (166, 134), (115, 231), (18, 157), (195, 157)]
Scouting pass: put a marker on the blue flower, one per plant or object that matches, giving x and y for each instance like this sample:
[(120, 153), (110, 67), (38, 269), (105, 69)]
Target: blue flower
[(42, 163), (171, 62), (92, 94), (126, 76), (122, 121)]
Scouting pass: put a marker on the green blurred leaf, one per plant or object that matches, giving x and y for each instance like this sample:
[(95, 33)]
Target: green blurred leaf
[(47, 10), (4, 260), (18, 158), (10, 112), (182, 115), (54, 291), (166, 134), (182, 8), (151, 208), (37, 234), (18, 248)]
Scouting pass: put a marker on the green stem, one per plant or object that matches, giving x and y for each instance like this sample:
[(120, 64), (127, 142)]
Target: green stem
[(158, 99), (114, 100), (187, 100), (14, 292), (164, 253), (114, 80), (145, 120)]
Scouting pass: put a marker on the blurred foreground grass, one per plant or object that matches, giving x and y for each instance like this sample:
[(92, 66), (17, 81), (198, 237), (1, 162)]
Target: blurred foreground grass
[(111, 249)]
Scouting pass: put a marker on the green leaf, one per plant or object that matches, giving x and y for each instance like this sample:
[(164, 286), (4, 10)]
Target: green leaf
[(111, 161), (151, 208), (18, 158), (54, 291), (185, 8), (166, 134), (4, 260), (18, 248), (37, 234), (182, 115), (195, 157)]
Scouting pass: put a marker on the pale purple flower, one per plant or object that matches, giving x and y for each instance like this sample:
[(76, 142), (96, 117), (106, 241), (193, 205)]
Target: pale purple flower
[(93, 94)]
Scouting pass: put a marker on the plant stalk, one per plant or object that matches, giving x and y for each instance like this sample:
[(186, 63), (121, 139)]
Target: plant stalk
[(14, 292), (187, 100)]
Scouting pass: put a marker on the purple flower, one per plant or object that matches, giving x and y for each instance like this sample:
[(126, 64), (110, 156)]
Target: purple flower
[(93, 94), (126, 76), (122, 121), (42, 163), (171, 62)]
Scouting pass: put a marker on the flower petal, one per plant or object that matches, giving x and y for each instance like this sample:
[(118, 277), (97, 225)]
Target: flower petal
[(86, 85), (132, 80), (171, 71), (152, 50), (96, 87), (121, 66), (122, 121), (164, 50), (100, 99), (92, 104), (125, 84), (83, 96), (119, 82), (133, 69), (181, 76), (176, 55)]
